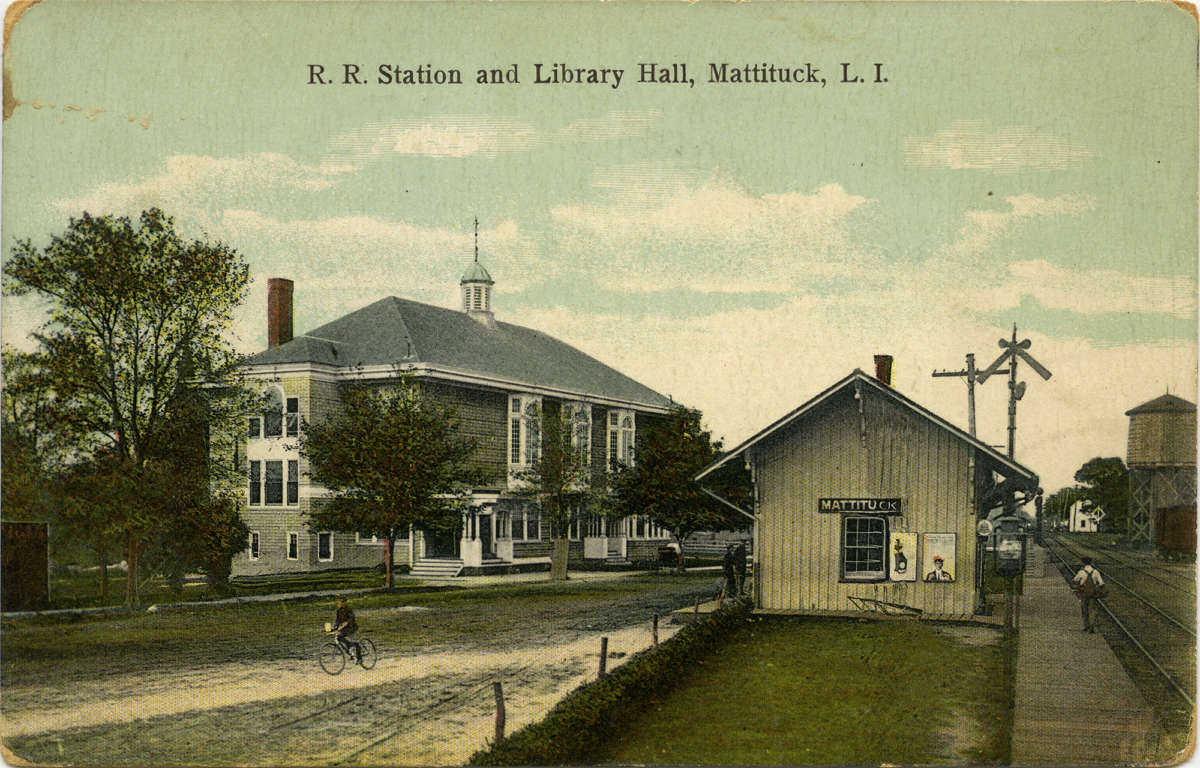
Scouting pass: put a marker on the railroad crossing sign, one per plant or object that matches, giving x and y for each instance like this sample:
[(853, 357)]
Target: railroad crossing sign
[(1013, 351)]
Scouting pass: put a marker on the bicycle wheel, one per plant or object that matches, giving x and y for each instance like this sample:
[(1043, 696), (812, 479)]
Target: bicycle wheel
[(333, 661), (369, 657)]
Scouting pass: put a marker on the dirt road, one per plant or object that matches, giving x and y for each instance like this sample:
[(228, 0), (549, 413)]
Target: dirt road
[(433, 707)]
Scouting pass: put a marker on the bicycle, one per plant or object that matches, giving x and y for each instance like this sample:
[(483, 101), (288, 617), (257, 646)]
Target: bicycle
[(334, 655)]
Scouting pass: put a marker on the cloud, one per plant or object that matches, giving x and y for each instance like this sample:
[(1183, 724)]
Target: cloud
[(967, 144), (983, 228), (445, 136), (484, 135), (614, 125), (191, 181), (659, 228), (1095, 291)]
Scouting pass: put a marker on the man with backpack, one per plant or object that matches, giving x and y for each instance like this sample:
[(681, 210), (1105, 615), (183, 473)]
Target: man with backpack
[(1089, 587)]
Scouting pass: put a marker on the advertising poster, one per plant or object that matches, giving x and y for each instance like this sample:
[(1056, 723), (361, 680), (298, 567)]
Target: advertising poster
[(903, 557), (938, 557)]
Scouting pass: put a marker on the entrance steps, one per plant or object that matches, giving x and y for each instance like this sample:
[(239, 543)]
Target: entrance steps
[(437, 568)]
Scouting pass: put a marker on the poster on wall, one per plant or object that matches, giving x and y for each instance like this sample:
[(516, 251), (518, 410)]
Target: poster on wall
[(937, 553), (903, 561)]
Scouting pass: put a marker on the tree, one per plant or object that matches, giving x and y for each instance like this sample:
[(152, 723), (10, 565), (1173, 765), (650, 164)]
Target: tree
[(660, 484), (138, 316), (24, 454), (559, 478), (1105, 483), (1058, 504), (390, 460)]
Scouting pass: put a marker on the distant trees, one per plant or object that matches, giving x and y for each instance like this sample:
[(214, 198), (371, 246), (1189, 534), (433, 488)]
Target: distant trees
[(389, 459), (660, 484), (137, 328), (1105, 483)]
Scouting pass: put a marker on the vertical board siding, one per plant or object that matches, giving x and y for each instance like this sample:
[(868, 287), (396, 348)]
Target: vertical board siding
[(825, 454)]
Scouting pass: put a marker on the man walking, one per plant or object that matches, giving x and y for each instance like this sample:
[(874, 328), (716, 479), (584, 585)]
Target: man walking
[(1089, 586), (727, 567), (739, 566)]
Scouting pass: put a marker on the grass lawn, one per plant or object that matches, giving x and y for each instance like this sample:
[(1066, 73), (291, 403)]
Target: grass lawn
[(818, 691), (80, 590)]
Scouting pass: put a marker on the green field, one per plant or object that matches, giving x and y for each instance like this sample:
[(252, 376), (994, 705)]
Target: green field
[(785, 691)]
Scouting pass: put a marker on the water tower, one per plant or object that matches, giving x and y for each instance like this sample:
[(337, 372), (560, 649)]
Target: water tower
[(1162, 462)]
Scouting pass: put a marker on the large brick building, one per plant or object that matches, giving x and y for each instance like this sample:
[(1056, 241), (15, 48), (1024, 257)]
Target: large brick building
[(500, 378)]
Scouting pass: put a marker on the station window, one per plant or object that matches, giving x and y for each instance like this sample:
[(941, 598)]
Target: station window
[(864, 550)]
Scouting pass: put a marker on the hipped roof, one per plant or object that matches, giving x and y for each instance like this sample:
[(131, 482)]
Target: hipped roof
[(1011, 467), (1163, 404), (394, 331)]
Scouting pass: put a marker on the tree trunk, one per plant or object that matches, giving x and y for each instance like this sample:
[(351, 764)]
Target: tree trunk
[(387, 560), (102, 557), (131, 570), (560, 546)]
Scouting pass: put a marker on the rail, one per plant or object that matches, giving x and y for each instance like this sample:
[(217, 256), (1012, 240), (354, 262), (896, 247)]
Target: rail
[(1154, 662)]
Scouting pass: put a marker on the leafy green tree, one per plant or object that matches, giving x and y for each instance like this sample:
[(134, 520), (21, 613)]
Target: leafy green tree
[(660, 484), (1058, 504), (138, 315), (25, 454), (1105, 483), (559, 477), (389, 459)]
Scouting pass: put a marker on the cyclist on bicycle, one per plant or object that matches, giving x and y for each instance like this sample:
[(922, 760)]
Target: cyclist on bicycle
[(347, 629)]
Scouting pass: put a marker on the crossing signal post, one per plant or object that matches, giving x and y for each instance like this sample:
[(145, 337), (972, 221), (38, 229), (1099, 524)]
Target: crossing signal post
[(1013, 351)]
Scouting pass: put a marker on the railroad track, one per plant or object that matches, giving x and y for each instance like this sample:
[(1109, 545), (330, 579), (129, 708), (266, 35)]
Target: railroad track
[(1151, 625)]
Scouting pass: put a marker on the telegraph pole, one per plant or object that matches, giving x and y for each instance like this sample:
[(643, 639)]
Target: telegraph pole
[(971, 373)]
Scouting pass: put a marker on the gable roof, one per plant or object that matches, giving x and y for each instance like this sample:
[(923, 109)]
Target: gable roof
[(857, 375), (1163, 404), (394, 331)]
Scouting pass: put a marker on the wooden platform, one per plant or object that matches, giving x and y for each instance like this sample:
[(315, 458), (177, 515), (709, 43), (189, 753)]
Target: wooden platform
[(1074, 702)]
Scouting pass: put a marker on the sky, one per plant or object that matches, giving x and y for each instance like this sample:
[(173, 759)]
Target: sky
[(737, 246)]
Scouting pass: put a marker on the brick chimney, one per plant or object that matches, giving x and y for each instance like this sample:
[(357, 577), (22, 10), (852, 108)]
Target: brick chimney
[(279, 311), (883, 369)]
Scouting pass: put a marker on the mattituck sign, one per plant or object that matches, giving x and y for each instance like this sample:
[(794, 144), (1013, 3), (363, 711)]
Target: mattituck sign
[(879, 506)]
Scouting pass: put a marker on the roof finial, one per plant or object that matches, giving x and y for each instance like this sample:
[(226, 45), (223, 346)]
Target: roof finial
[(476, 239)]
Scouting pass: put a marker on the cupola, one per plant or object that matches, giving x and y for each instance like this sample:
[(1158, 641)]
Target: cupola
[(476, 287)]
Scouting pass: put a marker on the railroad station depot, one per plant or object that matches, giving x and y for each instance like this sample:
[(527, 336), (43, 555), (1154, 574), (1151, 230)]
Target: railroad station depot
[(866, 501)]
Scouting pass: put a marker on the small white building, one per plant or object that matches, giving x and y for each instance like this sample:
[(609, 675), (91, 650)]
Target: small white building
[(1084, 517)]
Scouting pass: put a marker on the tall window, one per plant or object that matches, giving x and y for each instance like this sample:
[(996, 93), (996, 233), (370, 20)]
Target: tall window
[(863, 547), (524, 430), (579, 418), (255, 482), (621, 428), (325, 546), (293, 546), (253, 545), (292, 417), (273, 414), (293, 482), (274, 482)]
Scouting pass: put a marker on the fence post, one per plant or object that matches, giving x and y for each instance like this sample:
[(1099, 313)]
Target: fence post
[(696, 608), (498, 692), (654, 631), (603, 656)]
